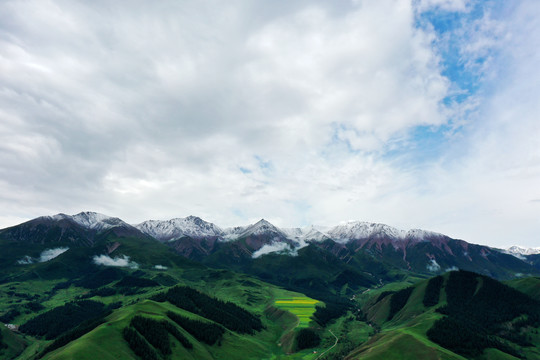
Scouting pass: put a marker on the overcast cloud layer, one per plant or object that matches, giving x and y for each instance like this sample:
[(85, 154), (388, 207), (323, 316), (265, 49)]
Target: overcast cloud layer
[(421, 114)]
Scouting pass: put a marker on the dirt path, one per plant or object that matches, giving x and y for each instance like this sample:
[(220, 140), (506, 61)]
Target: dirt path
[(331, 347)]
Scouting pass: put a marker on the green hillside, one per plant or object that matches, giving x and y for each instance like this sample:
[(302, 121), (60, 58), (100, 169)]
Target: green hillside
[(413, 321)]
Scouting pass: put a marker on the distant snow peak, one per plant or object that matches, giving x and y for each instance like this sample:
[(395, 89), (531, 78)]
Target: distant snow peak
[(261, 227), (193, 226), (363, 230), (90, 220), (309, 233), (520, 252)]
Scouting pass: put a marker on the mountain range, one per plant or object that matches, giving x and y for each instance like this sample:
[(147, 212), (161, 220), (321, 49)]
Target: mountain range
[(72, 285), (420, 251)]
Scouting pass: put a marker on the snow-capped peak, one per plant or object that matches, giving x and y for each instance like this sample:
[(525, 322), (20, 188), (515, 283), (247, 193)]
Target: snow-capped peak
[(91, 220), (520, 250), (261, 227), (363, 230), (312, 233), (171, 229)]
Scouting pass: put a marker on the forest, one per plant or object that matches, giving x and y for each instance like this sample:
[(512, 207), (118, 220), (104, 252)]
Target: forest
[(203, 331), (482, 313), (227, 314), (433, 291), (63, 318)]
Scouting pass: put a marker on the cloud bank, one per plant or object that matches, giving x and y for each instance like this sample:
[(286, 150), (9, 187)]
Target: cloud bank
[(52, 253), (278, 247), (118, 261), (433, 266), (45, 255), (299, 112)]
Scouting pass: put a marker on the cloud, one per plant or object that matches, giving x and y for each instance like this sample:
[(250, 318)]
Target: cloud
[(445, 5), (452, 268), (45, 255), (160, 267), (49, 254), (433, 266), (26, 260), (277, 247), (119, 261), (299, 112)]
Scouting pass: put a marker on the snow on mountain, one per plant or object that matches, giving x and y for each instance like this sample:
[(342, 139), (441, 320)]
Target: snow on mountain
[(311, 233), (419, 234), (353, 230), (520, 252), (172, 229), (91, 220), (233, 233), (363, 230), (262, 227)]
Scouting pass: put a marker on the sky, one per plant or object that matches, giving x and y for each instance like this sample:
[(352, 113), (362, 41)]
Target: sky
[(417, 114)]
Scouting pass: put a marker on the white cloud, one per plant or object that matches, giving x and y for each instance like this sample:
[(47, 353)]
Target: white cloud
[(446, 5), (452, 268), (50, 254), (27, 260), (45, 255), (119, 261), (277, 247), (160, 267), (433, 266), (292, 111)]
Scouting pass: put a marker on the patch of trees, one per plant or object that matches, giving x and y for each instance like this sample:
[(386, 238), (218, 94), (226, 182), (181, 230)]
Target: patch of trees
[(332, 310), (227, 314), (155, 332), (62, 285), (480, 314), (307, 338), (145, 335), (139, 346), (433, 291), (9, 316), (34, 306), (335, 307), (398, 301), (178, 335), (100, 278), (2, 345), (69, 336), (206, 332), (63, 318), (103, 292), (137, 282), (383, 295)]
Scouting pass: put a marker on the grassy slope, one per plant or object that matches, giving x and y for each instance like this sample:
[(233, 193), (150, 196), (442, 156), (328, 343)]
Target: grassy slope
[(106, 340), (529, 286), (404, 337), (15, 345)]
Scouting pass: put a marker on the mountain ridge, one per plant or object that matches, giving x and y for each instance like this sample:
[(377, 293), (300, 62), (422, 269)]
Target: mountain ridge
[(419, 251)]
